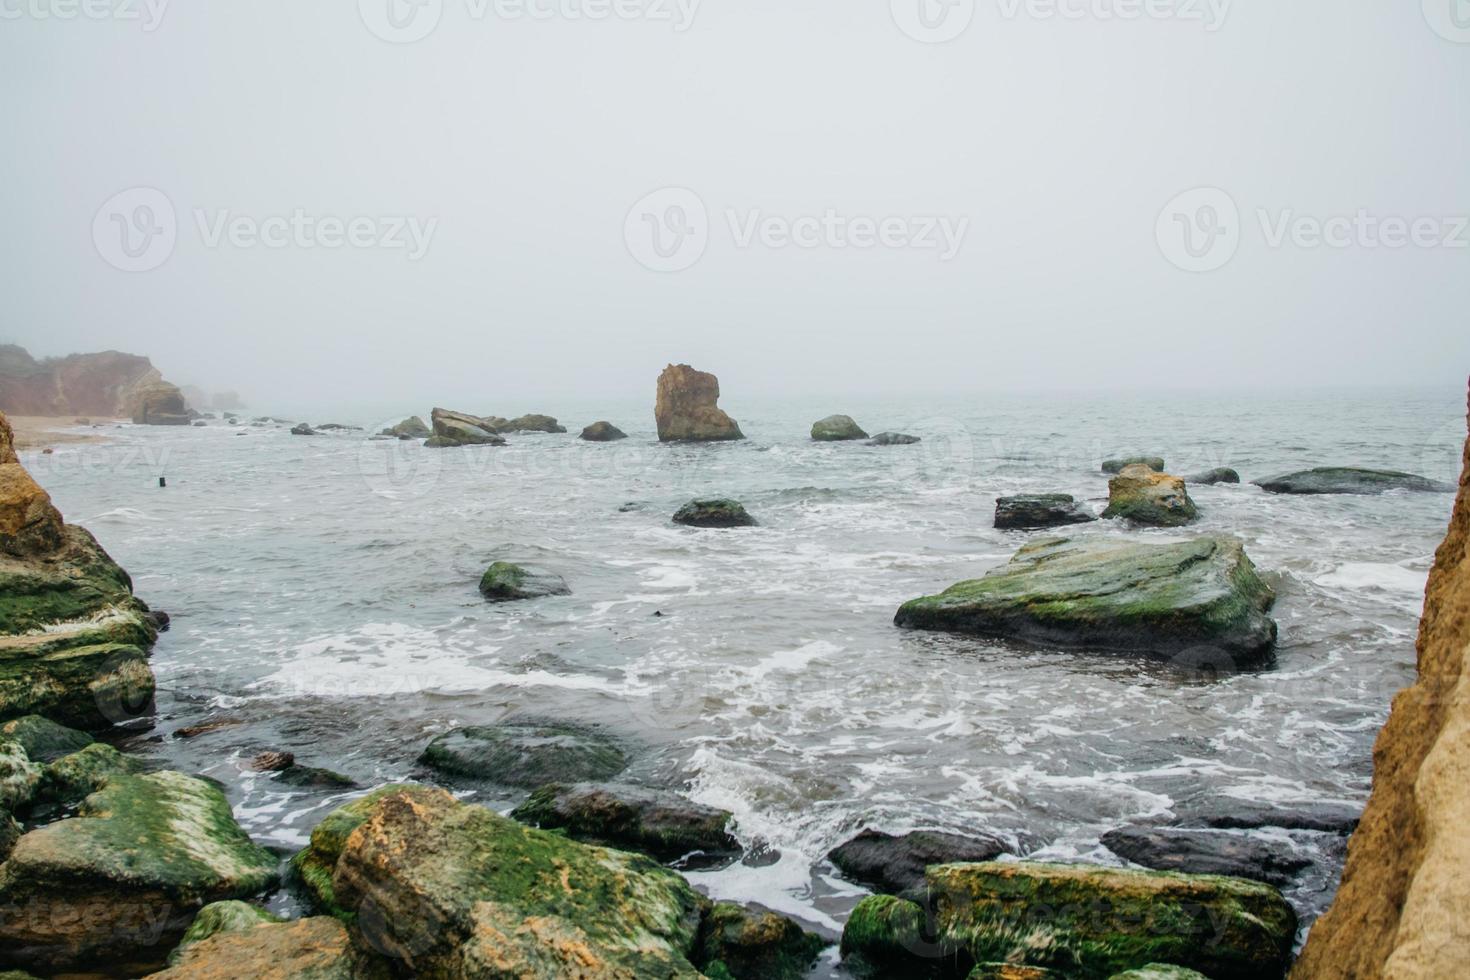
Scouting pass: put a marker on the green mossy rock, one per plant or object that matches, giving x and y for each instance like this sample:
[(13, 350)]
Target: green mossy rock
[(1118, 465), (1199, 601), (1082, 921), (748, 944), (446, 889), (506, 581), (317, 948), (10, 832), (837, 428), (43, 739), (313, 865), (1344, 479), (1143, 496), (122, 880), (218, 917), (658, 823), (603, 432), (93, 686), (713, 513), (73, 778), (525, 755), (19, 776)]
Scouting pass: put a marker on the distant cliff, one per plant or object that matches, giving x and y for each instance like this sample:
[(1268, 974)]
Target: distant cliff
[(103, 384), (1400, 912)]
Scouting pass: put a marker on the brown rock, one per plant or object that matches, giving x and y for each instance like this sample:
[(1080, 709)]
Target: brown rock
[(319, 948), (1142, 495), (273, 761), (99, 384), (687, 408), (159, 403), (29, 524), (1400, 911), (7, 442)]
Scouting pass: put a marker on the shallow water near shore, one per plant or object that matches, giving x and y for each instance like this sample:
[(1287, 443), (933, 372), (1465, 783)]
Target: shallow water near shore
[(323, 594)]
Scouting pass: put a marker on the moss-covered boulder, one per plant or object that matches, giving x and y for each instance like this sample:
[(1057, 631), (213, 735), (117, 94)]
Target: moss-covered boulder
[(19, 776), (412, 427), (452, 429), (217, 917), (536, 423), (10, 833), (43, 739), (1031, 511), (658, 823), (603, 432), (506, 581), (837, 428), (121, 881), (1348, 480), (448, 889), (1119, 465), (74, 777), (1200, 599), (751, 944), (1143, 496), (1082, 921), (524, 754), (318, 948), (718, 512)]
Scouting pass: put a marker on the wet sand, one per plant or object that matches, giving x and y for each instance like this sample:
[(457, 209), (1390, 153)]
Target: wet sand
[(41, 432)]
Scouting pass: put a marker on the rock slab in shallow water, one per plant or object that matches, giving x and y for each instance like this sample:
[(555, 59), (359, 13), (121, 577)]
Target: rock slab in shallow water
[(1341, 479), (1207, 852), (658, 823), (714, 513), (506, 581), (837, 428), (1221, 474), (603, 432), (1199, 599), (893, 439), (535, 423), (896, 864), (1031, 511), (1079, 920), (687, 408), (1144, 496), (525, 755)]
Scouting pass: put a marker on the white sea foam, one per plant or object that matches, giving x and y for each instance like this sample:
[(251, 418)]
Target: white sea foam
[(1371, 575)]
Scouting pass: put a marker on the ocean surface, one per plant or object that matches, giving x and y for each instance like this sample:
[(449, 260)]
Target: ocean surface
[(323, 595)]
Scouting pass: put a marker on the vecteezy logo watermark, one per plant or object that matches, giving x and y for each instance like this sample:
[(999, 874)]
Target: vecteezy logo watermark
[(136, 229), (1210, 13), (148, 12), (669, 230), (406, 21), (1199, 230), (933, 21), (1450, 19)]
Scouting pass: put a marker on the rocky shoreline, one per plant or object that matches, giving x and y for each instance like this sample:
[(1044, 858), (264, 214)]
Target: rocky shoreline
[(111, 869)]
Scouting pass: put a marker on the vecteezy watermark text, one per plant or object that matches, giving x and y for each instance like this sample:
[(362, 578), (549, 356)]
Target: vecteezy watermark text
[(407, 21), (938, 21), (670, 229), (147, 12), (138, 229)]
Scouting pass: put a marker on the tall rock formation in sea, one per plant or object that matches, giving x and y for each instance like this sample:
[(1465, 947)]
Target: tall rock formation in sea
[(103, 384), (687, 409), (1401, 909)]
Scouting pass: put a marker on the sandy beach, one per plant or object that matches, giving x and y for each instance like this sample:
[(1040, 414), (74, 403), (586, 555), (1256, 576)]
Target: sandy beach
[(41, 432)]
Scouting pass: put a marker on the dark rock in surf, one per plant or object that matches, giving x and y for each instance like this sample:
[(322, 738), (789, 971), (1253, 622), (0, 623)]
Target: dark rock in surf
[(713, 513), (1229, 813), (272, 761), (1207, 852), (603, 432), (1038, 510), (536, 423), (526, 755), (1346, 480), (895, 864), (312, 777), (658, 823), (302, 430), (893, 439), (1221, 474), (506, 581), (837, 428), (412, 427), (1155, 463), (1200, 597), (754, 944)]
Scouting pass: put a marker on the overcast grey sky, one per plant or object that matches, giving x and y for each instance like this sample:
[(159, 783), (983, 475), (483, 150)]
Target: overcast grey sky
[(999, 210)]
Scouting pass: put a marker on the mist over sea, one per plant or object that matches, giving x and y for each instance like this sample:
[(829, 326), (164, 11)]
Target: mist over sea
[(323, 594)]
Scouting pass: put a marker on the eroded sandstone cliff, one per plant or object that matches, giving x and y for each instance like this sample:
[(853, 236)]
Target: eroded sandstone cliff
[(1401, 910), (102, 384)]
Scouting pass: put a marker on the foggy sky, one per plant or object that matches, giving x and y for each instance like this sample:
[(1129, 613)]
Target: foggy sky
[(1057, 140)]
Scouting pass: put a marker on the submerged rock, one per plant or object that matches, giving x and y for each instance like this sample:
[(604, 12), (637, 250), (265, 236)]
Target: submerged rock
[(749, 944), (1342, 479), (603, 432), (302, 430), (120, 881), (536, 423), (687, 408), (893, 439), (1221, 474), (658, 823), (1030, 511), (317, 948), (897, 864), (448, 889), (1155, 463), (1143, 496), (412, 427), (1079, 920), (454, 429), (312, 777), (525, 754), (837, 428), (506, 581), (1112, 594), (1208, 852), (713, 513), (43, 739), (1230, 813)]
